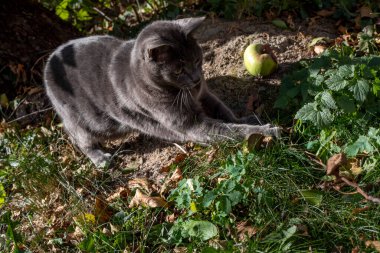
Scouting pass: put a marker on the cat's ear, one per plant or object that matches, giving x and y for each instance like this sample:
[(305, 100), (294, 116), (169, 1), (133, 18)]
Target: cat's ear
[(189, 25), (159, 54)]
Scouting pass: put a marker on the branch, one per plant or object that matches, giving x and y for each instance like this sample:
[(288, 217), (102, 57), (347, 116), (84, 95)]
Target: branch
[(360, 191)]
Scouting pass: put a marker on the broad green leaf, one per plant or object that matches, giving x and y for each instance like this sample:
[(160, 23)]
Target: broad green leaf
[(336, 83), (328, 100), (281, 102), (323, 118), (293, 92), (319, 80), (203, 230), (289, 232), (307, 112), (235, 197), (346, 103), (346, 71), (362, 144), (360, 90), (208, 199), (313, 197), (223, 205), (279, 23), (83, 15), (61, 10), (374, 133)]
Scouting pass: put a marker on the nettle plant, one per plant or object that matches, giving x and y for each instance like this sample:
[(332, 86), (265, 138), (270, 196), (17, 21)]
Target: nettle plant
[(332, 87)]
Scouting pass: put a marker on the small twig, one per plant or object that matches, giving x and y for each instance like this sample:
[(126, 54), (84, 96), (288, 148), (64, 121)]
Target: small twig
[(180, 148), (360, 191), (30, 114), (102, 13)]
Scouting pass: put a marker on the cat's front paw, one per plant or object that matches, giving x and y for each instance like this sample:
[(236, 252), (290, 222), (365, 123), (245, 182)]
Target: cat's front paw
[(102, 160), (271, 130)]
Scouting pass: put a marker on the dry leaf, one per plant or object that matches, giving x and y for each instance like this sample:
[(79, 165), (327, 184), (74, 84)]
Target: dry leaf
[(360, 210), (290, 22), (342, 29), (121, 193), (180, 250), (373, 244), (114, 229), (179, 158), (140, 199), (268, 141), (140, 183), (366, 12), (102, 211), (355, 250), (172, 181), (334, 163), (245, 231), (325, 13), (319, 49), (35, 90), (353, 166), (211, 155), (170, 218)]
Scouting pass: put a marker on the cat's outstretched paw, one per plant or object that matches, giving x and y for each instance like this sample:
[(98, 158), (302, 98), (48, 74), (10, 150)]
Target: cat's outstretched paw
[(271, 130), (102, 160)]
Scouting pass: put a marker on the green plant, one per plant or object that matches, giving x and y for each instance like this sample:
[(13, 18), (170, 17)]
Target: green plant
[(333, 87)]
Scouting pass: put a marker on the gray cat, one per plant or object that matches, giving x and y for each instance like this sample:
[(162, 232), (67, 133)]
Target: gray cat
[(103, 87)]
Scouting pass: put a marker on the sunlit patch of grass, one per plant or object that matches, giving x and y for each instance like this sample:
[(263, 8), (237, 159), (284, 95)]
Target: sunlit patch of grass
[(51, 192)]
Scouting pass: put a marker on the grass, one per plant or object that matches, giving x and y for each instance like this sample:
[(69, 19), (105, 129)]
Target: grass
[(42, 173), (226, 198)]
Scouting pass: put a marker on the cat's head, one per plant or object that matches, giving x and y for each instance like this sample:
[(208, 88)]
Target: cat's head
[(170, 54)]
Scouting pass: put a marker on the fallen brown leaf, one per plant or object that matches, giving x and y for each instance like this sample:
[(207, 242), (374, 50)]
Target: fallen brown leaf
[(353, 166), (170, 218), (102, 211), (373, 244), (140, 183), (179, 158), (366, 12), (290, 21), (121, 193), (140, 199), (172, 181), (245, 231), (334, 162), (360, 210), (342, 29), (325, 13), (319, 49)]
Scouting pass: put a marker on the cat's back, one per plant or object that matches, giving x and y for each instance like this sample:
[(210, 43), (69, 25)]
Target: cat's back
[(87, 57)]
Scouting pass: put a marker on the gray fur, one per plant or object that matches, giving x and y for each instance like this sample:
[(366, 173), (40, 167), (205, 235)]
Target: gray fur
[(103, 87)]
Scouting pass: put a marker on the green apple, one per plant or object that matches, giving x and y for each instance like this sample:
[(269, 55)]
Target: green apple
[(259, 60)]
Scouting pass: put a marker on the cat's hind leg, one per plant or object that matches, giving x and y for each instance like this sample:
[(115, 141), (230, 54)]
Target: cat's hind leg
[(88, 144)]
